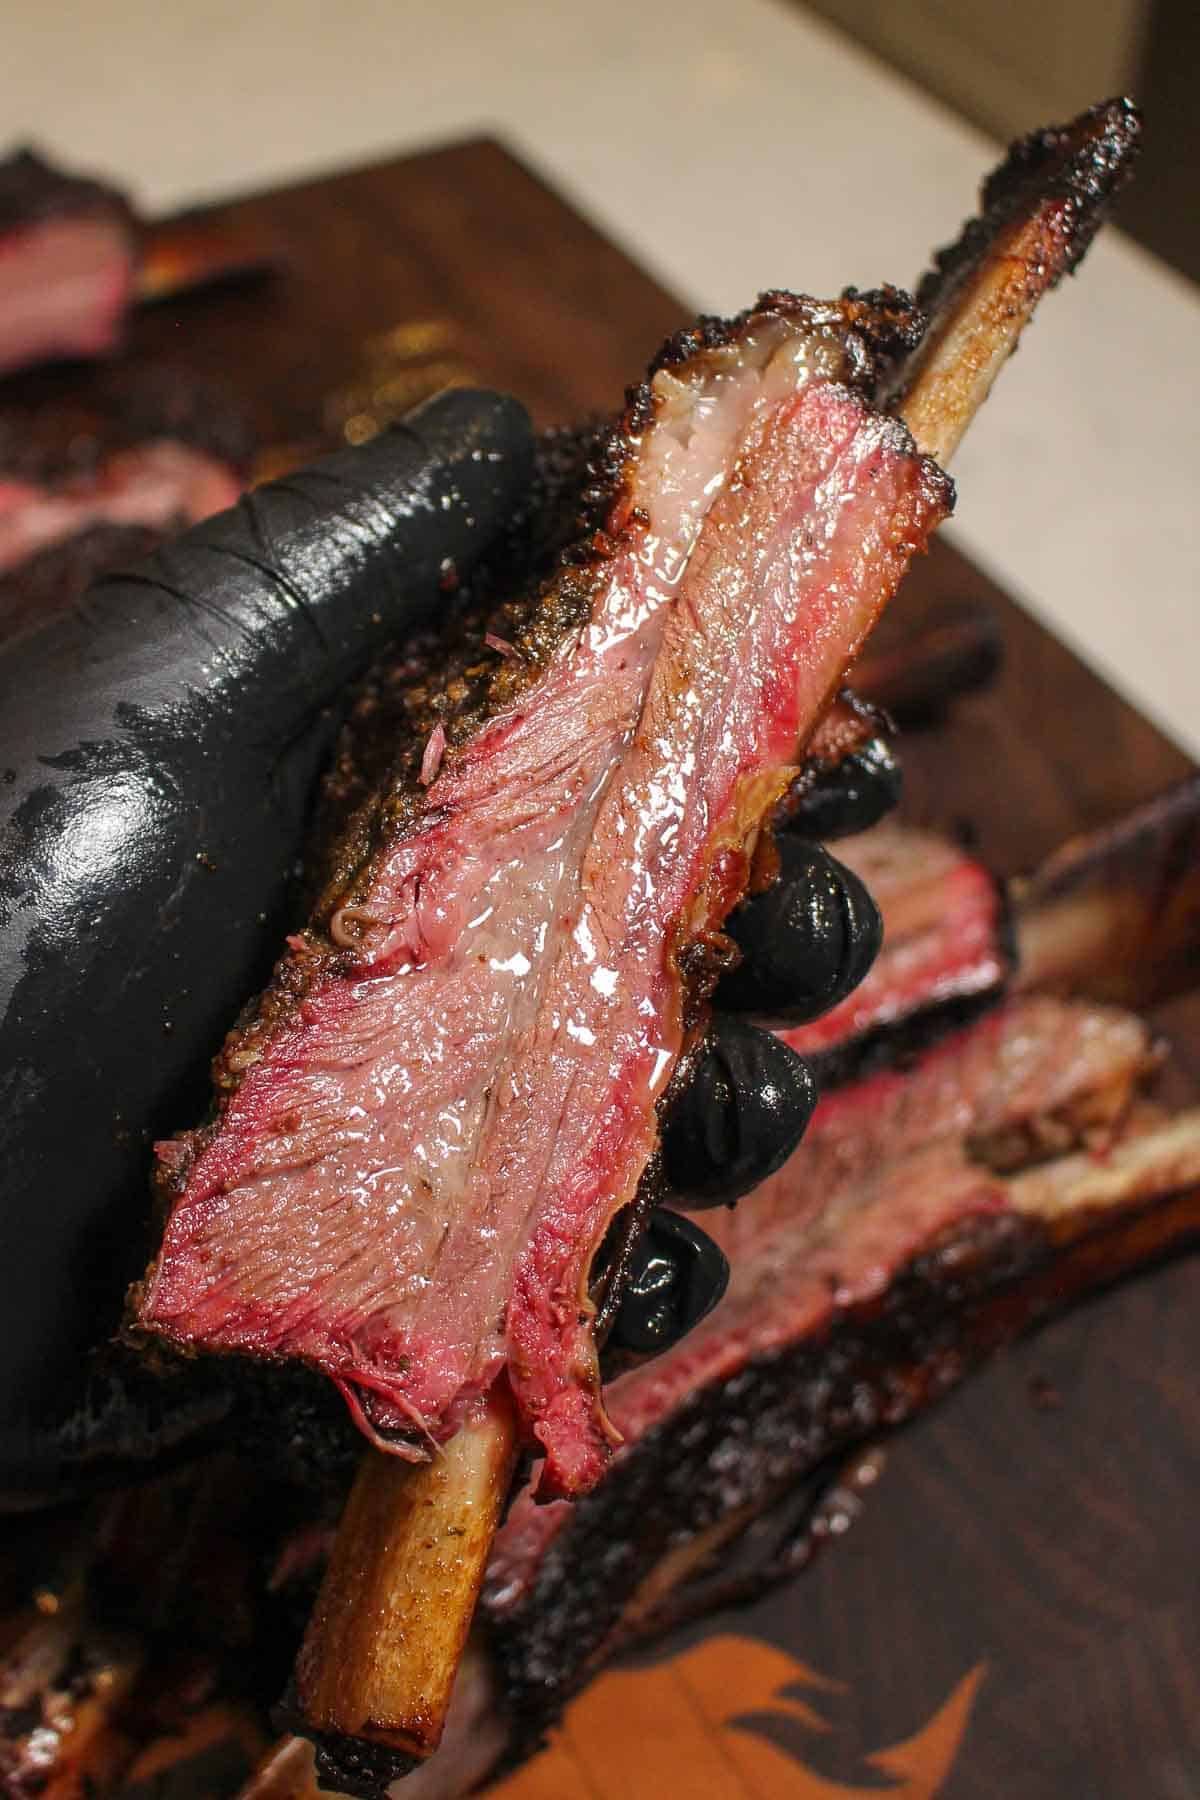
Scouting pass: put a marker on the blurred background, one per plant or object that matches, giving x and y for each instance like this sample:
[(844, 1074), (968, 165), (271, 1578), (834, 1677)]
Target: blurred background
[(1000, 66), (728, 149), (187, 100)]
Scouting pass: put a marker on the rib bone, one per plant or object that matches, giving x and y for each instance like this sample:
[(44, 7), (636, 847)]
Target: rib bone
[(388, 1630), (1041, 210)]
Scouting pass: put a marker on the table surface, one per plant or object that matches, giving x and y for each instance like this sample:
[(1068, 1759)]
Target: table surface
[(744, 147), (1016, 1611)]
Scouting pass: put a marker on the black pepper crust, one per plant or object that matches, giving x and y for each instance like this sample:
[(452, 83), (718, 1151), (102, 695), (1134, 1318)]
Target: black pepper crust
[(349, 1765), (403, 697), (1075, 171), (461, 685), (872, 330)]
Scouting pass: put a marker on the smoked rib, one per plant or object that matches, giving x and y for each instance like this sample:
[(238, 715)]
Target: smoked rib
[(453, 1083)]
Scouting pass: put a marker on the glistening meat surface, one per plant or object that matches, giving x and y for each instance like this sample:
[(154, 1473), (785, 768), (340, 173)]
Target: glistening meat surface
[(434, 1116)]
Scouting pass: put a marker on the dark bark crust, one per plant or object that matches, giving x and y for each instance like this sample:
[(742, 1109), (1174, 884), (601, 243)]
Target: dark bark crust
[(767, 1430), (1078, 168), (347, 1765), (460, 686)]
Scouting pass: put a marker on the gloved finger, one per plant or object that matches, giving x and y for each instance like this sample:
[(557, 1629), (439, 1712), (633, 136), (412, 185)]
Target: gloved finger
[(806, 941), (850, 797), (676, 1276), (146, 844), (740, 1117)]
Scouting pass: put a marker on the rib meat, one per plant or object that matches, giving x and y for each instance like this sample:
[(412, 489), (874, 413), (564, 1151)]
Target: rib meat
[(453, 1083), (160, 485), (877, 1273), (656, 851), (1035, 1078), (99, 469), (1113, 916), (1047, 204), (883, 1166), (68, 251), (74, 258), (944, 944)]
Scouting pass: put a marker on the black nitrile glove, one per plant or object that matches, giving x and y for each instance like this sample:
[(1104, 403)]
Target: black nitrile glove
[(158, 752), (806, 942)]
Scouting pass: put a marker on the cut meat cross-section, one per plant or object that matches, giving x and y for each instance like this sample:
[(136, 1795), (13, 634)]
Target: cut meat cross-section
[(454, 1081)]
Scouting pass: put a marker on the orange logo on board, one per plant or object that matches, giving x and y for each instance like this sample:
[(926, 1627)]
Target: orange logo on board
[(679, 1729)]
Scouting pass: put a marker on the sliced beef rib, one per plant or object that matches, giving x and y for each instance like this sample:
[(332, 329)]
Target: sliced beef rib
[(426, 1125)]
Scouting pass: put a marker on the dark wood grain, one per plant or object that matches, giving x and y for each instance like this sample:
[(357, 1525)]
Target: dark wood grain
[(530, 297), (1057, 1546)]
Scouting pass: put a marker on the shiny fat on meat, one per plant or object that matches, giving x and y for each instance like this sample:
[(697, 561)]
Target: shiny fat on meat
[(454, 1081)]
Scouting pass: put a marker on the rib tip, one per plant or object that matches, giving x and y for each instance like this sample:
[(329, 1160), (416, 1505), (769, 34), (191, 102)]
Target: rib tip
[(1067, 176), (1087, 159)]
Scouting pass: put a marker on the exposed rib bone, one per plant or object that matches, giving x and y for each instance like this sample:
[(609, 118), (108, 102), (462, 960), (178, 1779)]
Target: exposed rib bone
[(385, 1638), (1041, 209), (380, 1655), (177, 255)]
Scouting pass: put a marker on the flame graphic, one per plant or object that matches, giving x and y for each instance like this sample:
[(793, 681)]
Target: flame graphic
[(676, 1729)]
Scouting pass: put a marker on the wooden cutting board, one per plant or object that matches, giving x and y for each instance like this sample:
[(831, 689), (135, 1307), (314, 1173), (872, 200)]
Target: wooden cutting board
[(1017, 1612)]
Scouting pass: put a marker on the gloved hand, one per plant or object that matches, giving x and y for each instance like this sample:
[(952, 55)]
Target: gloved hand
[(158, 752), (806, 942)]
